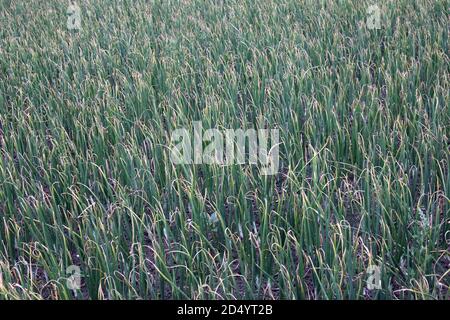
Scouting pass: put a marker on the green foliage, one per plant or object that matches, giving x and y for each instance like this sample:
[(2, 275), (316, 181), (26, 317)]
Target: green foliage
[(86, 179)]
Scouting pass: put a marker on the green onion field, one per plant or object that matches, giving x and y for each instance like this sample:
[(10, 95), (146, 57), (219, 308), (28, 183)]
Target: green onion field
[(93, 206)]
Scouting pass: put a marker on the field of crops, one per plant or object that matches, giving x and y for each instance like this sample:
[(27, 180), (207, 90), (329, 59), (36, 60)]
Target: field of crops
[(93, 207)]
